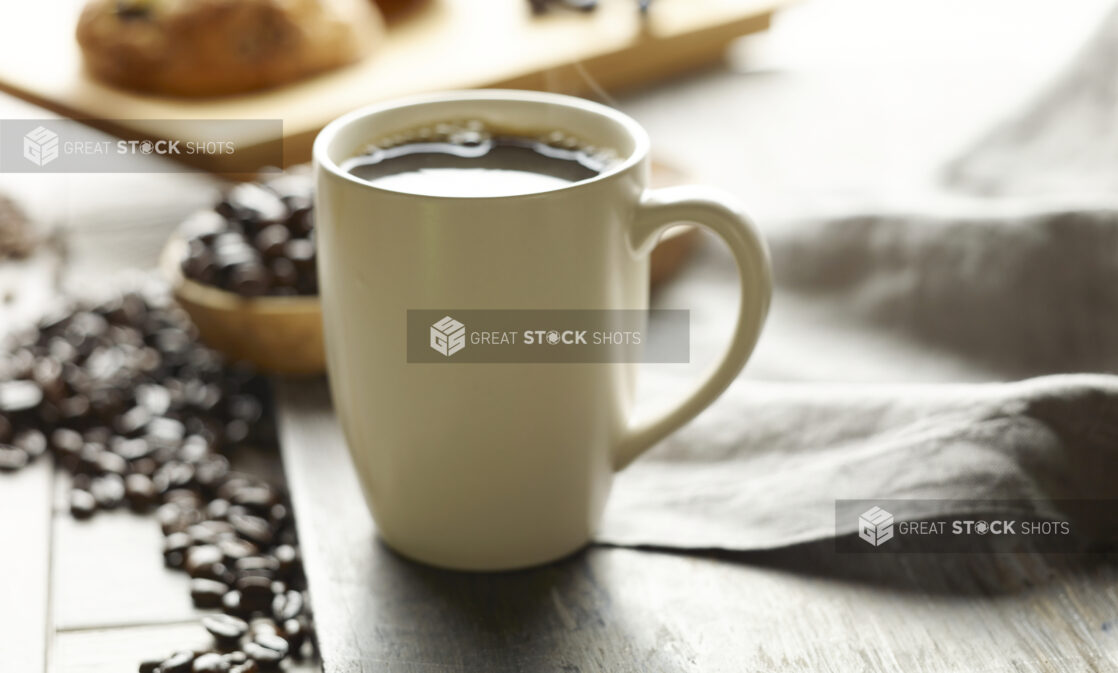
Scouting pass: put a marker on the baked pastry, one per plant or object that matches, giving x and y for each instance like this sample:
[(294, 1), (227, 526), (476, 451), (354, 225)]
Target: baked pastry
[(214, 47), (393, 10)]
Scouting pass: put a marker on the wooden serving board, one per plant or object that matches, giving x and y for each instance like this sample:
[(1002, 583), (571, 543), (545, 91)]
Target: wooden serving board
[(801, 609), (442, 44)]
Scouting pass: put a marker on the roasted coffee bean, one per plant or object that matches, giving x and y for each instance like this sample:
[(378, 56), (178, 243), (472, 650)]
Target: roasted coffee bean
[(246, 408), (279, 514), (155, 398), (234, 481), (272, 641), (267, 658), (88, 459), (287, 558), (295, 632), (150, 666), (252, 528), (172, 341), (5, 426), (222, 573), (257, 566), (259, 498), (74, 409), (47, 372), (174, 516), (178, 662), (173, 475), (202, 224), (249, 666), (210, 532), (200, 561), (250, 203), (236, 431), (218, 508), (145, 466), (301, 221), (207, 593), (194, 449), (32, 441), (284, 273), (229, 257), (231, 604), (12, 458), (271, 239), (235, 657), (164, 431), (82, 504), (236, 549), (133, 421), (256, 593), (107, 402), (98, 434), (186, 500), (140, 492), (111, 463), (210, 663), (66, 440), (288, 605), (227, 630), (131, 449), (17, 397), (301, 252), (262, 626), (250, 279), (210, 471), (108, 490)]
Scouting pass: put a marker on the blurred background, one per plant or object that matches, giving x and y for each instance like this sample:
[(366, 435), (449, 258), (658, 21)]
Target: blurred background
[(838, 100)]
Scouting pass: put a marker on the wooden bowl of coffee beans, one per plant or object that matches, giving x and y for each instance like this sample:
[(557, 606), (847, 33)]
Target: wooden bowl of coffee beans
[(245, 272)]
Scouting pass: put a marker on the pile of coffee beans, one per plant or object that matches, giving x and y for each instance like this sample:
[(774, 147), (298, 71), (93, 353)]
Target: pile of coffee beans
[(142, 416), (257, 241)]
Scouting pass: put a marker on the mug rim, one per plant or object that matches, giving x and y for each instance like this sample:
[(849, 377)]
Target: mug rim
[(641, 143)]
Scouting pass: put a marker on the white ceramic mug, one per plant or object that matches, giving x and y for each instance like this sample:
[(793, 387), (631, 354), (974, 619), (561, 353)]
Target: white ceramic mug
[(487, 467)]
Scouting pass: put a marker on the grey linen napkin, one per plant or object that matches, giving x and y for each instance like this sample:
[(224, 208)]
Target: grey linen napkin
[(996, 308), (762, 469)]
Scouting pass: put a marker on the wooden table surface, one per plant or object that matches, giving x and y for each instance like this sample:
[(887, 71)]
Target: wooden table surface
[(614, 609), (93, 597)]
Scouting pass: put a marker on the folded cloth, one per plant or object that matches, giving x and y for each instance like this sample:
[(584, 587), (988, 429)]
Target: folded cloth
[(763, 468), (965, 297)]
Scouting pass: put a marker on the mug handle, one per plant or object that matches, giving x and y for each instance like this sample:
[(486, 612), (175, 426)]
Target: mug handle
[(718, 212)]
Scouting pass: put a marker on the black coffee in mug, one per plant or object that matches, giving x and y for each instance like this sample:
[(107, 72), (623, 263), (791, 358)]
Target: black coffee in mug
[(469, 159)]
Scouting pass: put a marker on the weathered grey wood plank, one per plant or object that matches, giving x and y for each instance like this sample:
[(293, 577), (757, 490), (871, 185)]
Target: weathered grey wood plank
[(118, 650), (801, 609), (108, 571), (25, 499), (25, 539)]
